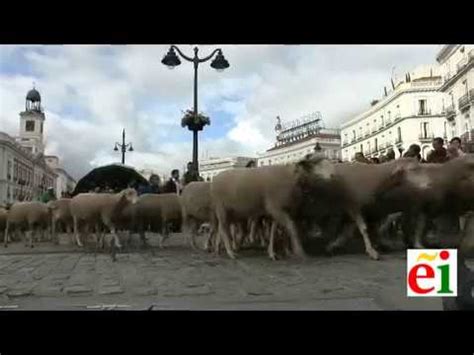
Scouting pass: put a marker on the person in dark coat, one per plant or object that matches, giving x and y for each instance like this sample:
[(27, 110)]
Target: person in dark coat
[(439, 154), (190, 175), (152, 188), (173, 185), (413, 152)]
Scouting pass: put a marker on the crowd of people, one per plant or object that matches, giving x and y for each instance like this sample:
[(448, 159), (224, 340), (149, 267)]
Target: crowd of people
[(438, 155)]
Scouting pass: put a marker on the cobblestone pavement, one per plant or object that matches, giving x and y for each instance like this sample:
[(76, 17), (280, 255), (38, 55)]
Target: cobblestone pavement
[(62, 277)]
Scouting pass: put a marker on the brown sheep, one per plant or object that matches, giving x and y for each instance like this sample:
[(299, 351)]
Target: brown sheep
[(448, 189), (93, 209), (196, 210), (269, 191), (156, 212), (31, 217)]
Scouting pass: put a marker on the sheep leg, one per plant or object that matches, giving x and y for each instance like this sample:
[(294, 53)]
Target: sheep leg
[(253, 229), (6, 236), (76, 232), (31, 233), (284, 219), (342, 238), (224, 232), (54, 237), (194, 228), (362, 226), (164, 234), (116, 238), (211, 238), (271, 249), (99, 236), (420, 227)]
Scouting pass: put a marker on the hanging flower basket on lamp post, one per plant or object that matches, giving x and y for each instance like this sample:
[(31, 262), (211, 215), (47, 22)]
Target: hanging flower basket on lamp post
[(194, 123)]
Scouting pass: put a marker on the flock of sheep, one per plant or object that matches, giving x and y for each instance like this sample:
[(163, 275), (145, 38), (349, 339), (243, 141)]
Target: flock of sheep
[(275, 207)]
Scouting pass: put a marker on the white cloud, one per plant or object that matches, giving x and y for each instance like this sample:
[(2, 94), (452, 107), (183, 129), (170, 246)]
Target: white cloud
[(92, 92)]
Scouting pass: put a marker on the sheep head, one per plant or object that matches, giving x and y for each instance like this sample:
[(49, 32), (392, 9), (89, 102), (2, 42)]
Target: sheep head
[(129, 195), (317, 166)]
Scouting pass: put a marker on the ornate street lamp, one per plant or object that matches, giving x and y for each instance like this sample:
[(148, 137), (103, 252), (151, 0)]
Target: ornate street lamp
[(194, 121), (123, 147)]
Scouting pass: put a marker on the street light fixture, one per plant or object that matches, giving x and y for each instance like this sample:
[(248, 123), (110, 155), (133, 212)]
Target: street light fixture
[(219, 63), (123, 147)]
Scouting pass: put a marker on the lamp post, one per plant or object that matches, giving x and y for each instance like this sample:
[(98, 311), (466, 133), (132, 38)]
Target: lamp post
[(123, 147), (219, 63)]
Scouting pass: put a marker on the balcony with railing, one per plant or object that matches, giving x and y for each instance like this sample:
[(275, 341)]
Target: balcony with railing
[(461, 64), (464, 102), (450, 112), (374, 129), (426, 137), (424, 112)]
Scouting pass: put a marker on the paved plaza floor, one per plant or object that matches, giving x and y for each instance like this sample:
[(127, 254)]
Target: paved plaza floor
[(63, 277)]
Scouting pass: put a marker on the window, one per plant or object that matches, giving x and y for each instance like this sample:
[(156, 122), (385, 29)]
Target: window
[(41, 127), (445, 131), (376, 144), (399, 131), (381, 120), (389, 115), (424, 129), (422, 110), (353, 135), (361, 148), (30, 126)]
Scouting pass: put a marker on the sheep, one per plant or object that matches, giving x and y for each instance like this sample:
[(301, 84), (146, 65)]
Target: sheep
[(30, 216), (376, 190), (196, 208), (92, 209), (268, 191), (157, 212), (60, 214), (448, 189), (422, 193)]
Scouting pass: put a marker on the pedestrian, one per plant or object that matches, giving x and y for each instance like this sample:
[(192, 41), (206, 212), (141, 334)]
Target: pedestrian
[(374, 160), (173, 185), (439, 154), (413, 152), (390, 154), (152, 188), (190, 175), (250, 164), (359, 157), (452, 153), (48, 195), (457, 144)]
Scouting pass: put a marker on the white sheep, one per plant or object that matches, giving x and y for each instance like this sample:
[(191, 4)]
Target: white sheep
[(93, 209), (31, 217)]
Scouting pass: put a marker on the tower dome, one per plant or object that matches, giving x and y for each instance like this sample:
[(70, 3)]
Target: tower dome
[(33, 100), (33, 95)]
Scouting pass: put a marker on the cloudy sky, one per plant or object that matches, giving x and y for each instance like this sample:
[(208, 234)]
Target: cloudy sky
[(90, 93)]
